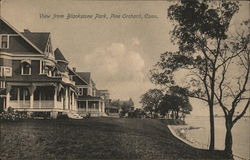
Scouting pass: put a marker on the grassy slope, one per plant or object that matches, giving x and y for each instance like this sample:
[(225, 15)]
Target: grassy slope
[(94, 138)]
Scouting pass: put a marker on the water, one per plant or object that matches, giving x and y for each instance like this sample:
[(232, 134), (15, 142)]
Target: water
[(241, 133)]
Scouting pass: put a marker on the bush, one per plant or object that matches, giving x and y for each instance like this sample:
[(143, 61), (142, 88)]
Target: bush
[(12, 115)]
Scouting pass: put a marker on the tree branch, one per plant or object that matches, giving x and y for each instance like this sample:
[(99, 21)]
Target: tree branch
[(242, 113)]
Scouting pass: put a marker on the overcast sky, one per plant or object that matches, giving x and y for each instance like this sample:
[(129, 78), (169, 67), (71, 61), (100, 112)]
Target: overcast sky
[(117, 52)]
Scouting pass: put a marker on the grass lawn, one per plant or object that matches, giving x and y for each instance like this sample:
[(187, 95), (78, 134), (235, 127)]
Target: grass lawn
[(94, 138)]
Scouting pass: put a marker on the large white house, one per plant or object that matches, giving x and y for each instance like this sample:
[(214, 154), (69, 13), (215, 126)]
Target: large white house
[(35, 78)]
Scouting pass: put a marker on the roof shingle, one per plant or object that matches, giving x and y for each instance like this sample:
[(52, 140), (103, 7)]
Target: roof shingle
[(39, 39), (59, 56), (85, 75)]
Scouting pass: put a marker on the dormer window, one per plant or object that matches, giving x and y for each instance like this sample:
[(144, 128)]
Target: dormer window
[(80, 93), (4, 41), (26, 68)]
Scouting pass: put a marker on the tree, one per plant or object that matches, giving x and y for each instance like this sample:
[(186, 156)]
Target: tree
[(176, 101), (116, 103), (206, 50), (151, 99), (228, 95)]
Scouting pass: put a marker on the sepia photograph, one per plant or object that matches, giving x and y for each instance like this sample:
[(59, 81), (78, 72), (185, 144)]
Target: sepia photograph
[(124, 80)]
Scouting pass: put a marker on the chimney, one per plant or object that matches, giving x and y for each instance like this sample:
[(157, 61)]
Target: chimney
[(26, 31), (74, 69)]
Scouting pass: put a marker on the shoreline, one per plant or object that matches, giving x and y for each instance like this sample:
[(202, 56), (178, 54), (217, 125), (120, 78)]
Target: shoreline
[(180, 131)]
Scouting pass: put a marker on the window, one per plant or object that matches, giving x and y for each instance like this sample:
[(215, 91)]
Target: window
[(71, 77), (5, 71), (44, 93), (82, 104), (2, 84), (85, 91), (80, 92), (24, 94), (45, 68), (13, 93), (47, 93), (26, 69), (4, 41), (36, 94)]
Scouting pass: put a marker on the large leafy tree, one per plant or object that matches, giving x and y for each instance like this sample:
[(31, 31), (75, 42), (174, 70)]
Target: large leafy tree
[(175, 100), (151, 100), (208, 51)]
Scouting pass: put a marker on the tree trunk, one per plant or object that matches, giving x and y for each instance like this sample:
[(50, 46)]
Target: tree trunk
[(229, 139), (211, 111)]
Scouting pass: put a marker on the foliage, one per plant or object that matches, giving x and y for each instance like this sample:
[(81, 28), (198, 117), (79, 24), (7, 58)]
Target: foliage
[(11, 115), (151, 99), (176, 100), (137, 113)]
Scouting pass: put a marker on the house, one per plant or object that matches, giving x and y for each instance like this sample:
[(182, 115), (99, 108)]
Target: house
[(88, 102), (110, 110), (34, 77)]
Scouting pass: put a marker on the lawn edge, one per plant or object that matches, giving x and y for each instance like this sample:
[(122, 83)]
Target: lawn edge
[(182, 139)]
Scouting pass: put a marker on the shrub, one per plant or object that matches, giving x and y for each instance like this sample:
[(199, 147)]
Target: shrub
[(12, 115)]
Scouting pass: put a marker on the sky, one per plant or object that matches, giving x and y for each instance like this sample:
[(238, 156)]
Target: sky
[(117, 51)]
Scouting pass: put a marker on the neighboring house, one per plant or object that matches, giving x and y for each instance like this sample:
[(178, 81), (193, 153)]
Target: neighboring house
[(33, 77), (88, 102), (104, 94), (110, 110)]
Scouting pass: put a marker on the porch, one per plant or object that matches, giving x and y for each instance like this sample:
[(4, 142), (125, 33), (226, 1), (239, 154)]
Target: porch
[(37, 97), (93, 106)]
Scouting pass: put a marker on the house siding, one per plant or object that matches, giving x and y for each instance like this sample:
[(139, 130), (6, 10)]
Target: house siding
[(18, 45), (5, 29), (16, 67), (35, 67), (5, 62)]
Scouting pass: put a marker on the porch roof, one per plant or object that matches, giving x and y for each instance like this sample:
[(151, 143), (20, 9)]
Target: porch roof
[(37, 78), (32, 78), (111, 107), (84, 98)]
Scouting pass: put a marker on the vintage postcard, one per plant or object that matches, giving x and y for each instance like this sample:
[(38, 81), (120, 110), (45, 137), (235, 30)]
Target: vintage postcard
[(121, 79)]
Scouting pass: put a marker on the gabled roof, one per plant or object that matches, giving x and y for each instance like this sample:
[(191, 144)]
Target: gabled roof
[(85, 76), (20, 34), (71, 71), (39, 39), (59, 56)]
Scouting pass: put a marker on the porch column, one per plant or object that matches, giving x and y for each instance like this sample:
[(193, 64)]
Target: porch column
[(87, 106), (100, 106), (31, 100), (8, 88), (72, 101), (7, 100), (103, 107), (40, 99), (55, 96), (66, 98), (31, 89)]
